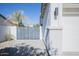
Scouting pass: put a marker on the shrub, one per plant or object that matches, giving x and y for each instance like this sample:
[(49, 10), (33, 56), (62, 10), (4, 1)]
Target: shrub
[(9, 37)]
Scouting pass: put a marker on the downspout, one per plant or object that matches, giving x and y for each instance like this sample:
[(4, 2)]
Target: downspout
[(44, 40)]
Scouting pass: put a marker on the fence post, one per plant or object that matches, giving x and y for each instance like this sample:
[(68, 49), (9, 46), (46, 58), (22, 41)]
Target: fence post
[(40, 33)]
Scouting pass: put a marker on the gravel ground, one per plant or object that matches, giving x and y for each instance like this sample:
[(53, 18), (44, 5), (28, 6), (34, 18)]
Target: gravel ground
[(14, 43), (22, 51), (22, 48)]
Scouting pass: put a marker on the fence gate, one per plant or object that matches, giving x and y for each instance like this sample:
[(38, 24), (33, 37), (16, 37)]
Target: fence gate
[(28, 33)]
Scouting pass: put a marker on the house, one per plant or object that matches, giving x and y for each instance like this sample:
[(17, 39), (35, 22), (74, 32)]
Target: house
[(3, 27), (60, 27), (6, 28)]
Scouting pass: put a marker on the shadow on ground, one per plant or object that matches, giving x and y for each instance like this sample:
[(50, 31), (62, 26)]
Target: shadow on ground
[(22, 51)]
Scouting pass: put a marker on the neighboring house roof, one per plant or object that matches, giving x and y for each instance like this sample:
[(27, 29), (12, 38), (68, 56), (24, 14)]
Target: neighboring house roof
[(6, 22), (2, 20), (3, 17)]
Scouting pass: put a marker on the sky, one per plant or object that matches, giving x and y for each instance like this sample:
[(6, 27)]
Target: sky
[(31, 11)]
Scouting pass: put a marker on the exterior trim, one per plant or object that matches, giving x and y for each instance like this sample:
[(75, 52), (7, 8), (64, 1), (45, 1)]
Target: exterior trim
[(54, 28)]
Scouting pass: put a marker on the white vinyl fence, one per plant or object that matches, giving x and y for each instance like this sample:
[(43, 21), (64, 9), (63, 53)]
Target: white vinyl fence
[(27, 33)]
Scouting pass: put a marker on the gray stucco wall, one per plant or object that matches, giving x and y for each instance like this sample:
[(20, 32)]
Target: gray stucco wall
[(3, 31)]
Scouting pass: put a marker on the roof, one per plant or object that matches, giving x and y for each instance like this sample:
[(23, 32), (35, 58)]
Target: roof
[(3, 17), (4, 21)]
